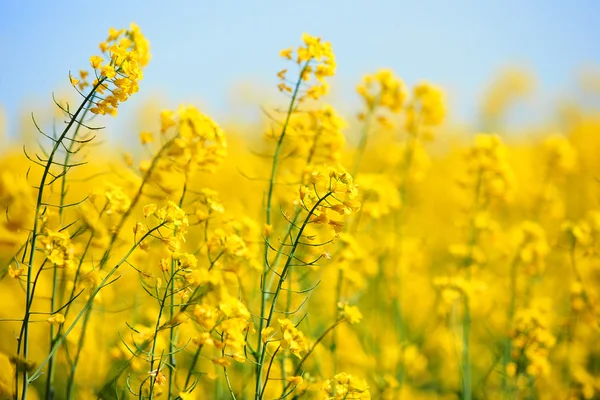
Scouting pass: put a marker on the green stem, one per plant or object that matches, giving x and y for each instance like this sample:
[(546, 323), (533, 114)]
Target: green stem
[(172, 339), (24, 340), (157, 329), (262, 350), (63, 193), (264, 294), (192, 367), (172, 333), (80, 343)]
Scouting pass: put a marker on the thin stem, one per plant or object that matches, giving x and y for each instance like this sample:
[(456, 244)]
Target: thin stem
[(63, 193), (282, 278), (80, 343), (269, 200), (24, 340), (192, 367), (156, 331)]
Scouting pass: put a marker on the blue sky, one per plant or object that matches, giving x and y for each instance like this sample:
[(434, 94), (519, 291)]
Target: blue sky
[(202, 50)]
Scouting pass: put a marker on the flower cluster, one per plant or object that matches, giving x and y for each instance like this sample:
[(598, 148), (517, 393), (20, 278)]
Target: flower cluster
[(315, 135), (172, 216), (117, 202), (328, 189), (118, 70), (426, 107), (315, 59), (346, 386), (532, 341), (199, 144), (534, 248), (58, 248), (292, 338), (489, 171), (383, 89)]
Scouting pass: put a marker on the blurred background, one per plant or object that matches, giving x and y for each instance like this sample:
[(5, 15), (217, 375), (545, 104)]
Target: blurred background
[(223, 55)]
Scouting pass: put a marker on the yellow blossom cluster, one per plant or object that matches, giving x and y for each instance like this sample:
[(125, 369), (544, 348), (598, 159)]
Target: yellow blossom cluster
[(292, 338), (118, 70), (489, 172), (315, 59), (383, 89), (532, 342), (199, 143), (315, 135), (427, 106), (328, 189), (534, 248), (346, 386), (59, 249)]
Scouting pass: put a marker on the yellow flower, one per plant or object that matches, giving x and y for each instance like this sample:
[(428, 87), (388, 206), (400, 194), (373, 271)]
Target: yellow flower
[(203, 338), (352, 314), (317, 91), (185, 260), (149, 209), (267, 333), (96, 61), (113, 34), (295, 380), (284, 88), (146, 137), (166, 120), (172, 244), (139, 228), (117, 201), (286, 53), (56, 319), (58, 248), (159, 377), (293, 339), (346, 386), (222, 361), (108, 71), (511, 369), (14, 273)]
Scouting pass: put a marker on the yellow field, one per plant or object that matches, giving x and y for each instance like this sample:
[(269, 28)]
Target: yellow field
[(381, 255)]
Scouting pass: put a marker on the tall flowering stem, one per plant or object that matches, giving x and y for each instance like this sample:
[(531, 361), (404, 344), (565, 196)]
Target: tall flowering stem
[(312, 51), (123, 71), (23, 340)]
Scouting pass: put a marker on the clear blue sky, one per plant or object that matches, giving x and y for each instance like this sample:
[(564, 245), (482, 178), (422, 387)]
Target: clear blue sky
[(201, 49)]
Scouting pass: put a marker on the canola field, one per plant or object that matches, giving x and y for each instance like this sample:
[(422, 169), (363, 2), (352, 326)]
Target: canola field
[(312, 255)]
